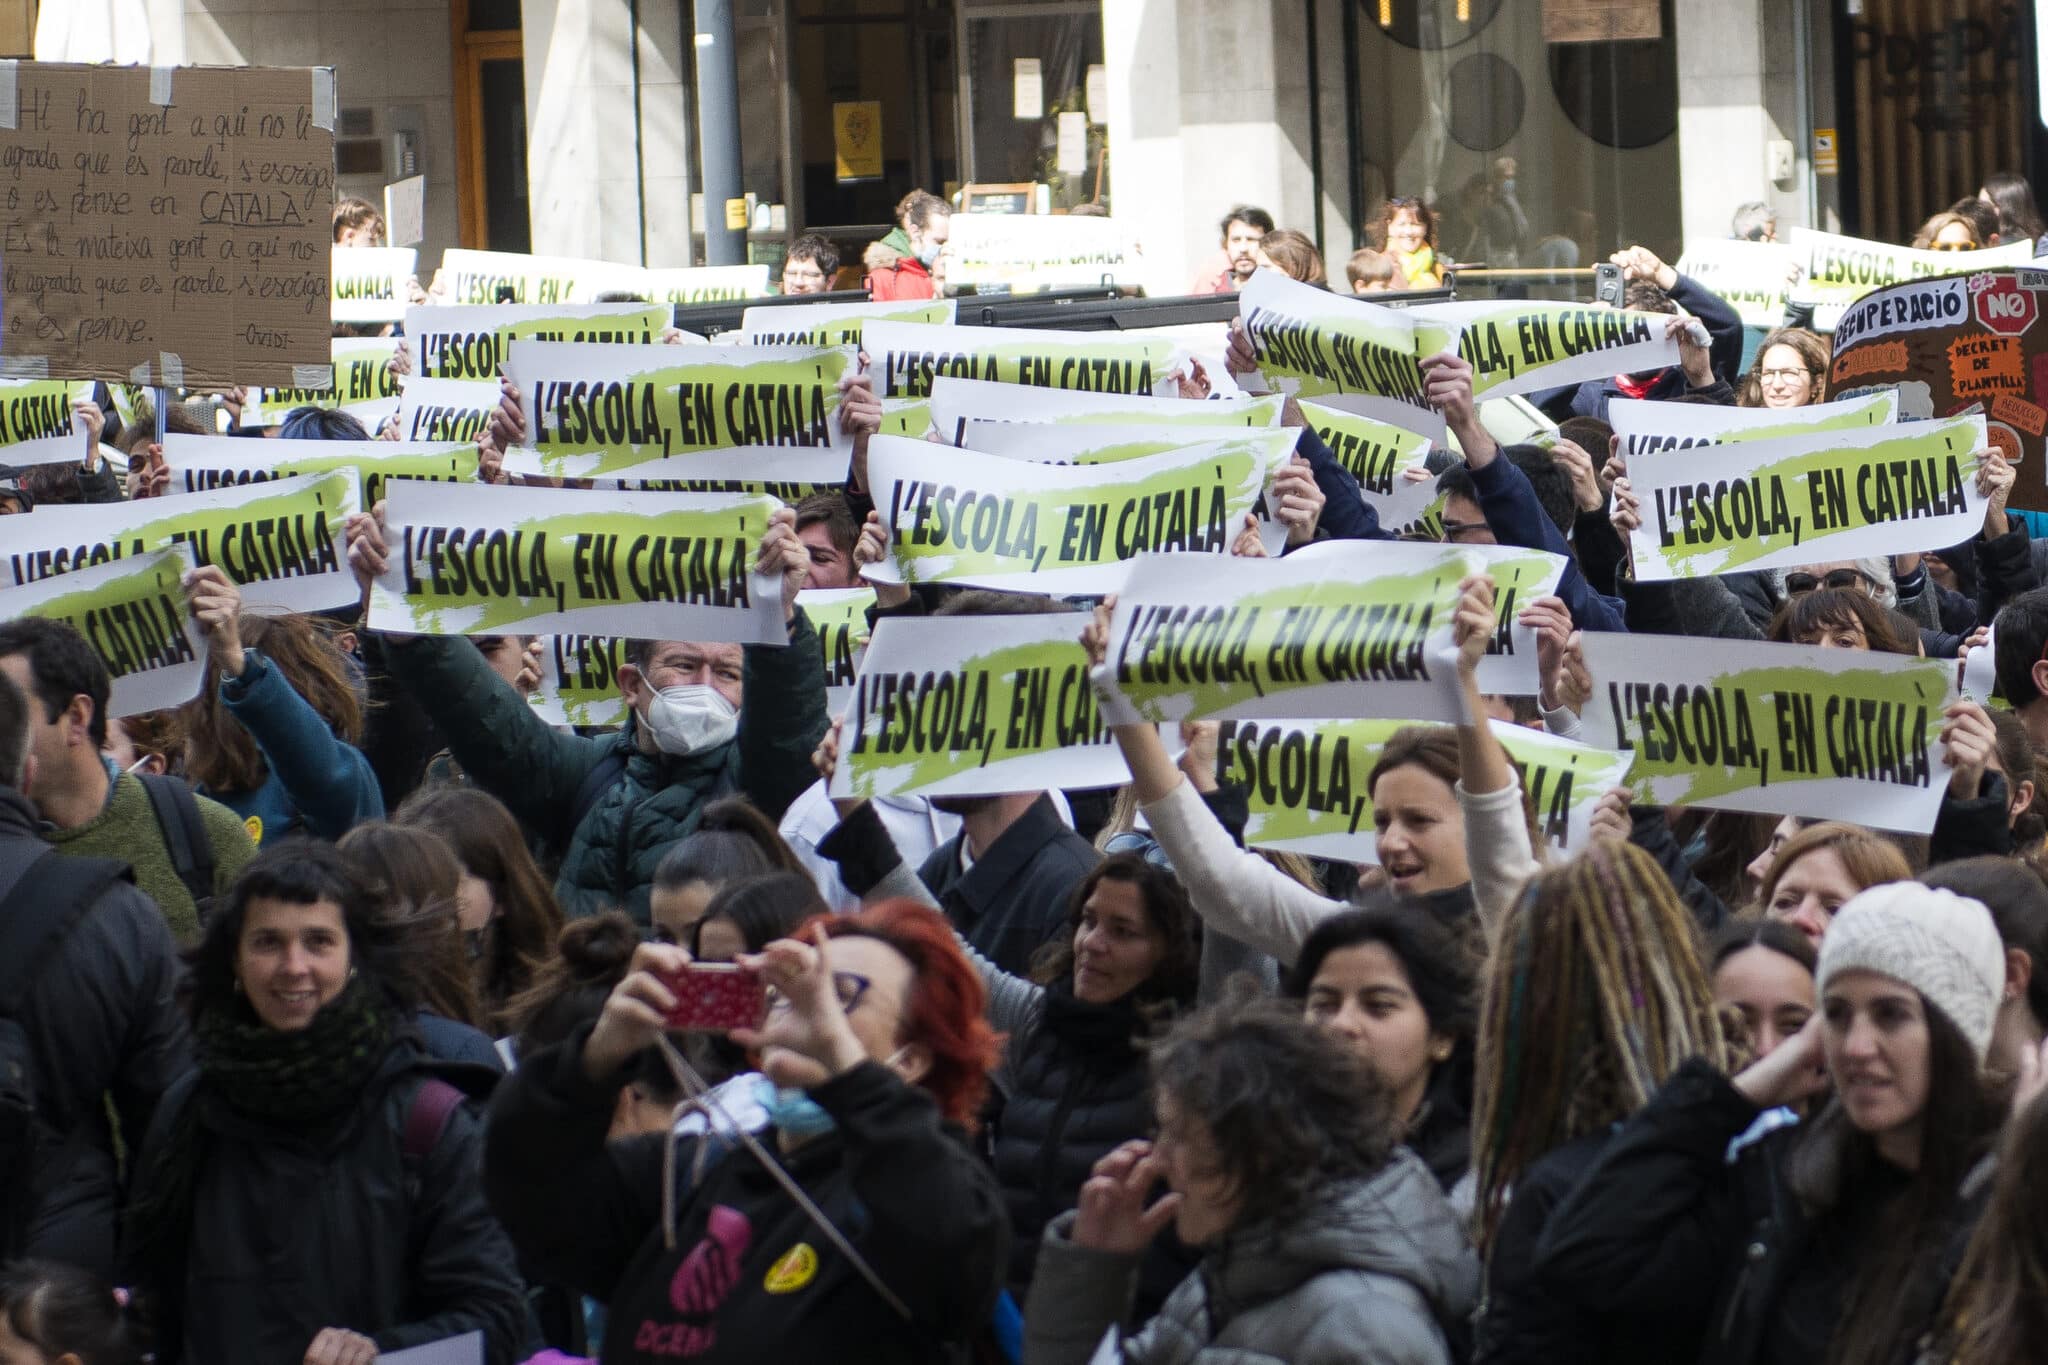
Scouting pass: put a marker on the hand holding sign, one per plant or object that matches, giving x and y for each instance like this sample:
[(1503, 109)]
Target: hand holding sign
[(1578, 467), (1472, 625), (1972, 743), (782, 553), (873, 548), (1297, 500), (217, 606), (1995, 478), (1693, 357), (339, 1346), (1611, 819)]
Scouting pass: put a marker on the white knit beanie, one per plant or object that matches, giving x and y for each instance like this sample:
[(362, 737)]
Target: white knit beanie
[(1941, 944)]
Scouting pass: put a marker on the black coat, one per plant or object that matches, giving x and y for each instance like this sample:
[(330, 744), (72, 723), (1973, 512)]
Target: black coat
[(295, 1230), (1014, 898), (1666, 1225), (102, 1023), (750, 1277)]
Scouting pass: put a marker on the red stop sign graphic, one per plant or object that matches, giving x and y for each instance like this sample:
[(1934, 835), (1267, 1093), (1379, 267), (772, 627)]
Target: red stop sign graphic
[(2006, 308)]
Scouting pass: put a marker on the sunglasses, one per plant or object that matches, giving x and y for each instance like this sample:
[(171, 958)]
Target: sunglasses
[(1796, 583), (1144, 845)]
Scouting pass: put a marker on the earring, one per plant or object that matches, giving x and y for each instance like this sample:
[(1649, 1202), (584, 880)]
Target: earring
[(238, 985), (351, 973)]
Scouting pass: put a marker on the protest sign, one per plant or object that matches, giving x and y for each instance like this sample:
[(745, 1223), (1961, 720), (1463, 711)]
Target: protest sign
[(446, 409), (973, 706), (1824, 734), (1839, 270), (697, 284), (905, 358), (1024, 253), (166, 225), (478, 277), (840, 616), (954, 516), (1645, 425), (1958, 345), (1806, 499), (361, 383), (133, 613), (579, 681), (371, 284), (1359, 628), (668, 412), (832, 324), (405, 211), (1753, 278), (200, 463), (504, 560), (1979, 680), (1518, 346), (1378, 450), (37, 425), (954, 401), (1306, 781), (472, 343), (281, 540), (1072, 443), (1311, 342)]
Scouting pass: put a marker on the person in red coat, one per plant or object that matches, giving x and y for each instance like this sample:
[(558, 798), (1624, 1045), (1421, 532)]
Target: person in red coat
[(900, 265)]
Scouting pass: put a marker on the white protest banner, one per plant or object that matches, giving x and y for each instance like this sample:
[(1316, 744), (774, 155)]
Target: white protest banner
[(133, 613), (1307, 782), (831, 324), (1980, 670), (954, 516), (37, 425), (475, 277), (1645, 425), (362, 384), (954, 401), (280, 540), (579, 681), (472, 343), (1824, 734), (670, 412), (200, 463), (1072, 443), (906, 358), (1311, 342), (1380, 450), (1520, 346), (1357, 629), (1753, 278), (1806, 499), (372, 283), (1028, 252), (697, 284), (1839, 270), (840, 616), (975, 705), (513, 559), (446, 409)]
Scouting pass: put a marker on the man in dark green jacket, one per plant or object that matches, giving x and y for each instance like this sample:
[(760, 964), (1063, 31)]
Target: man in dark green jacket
[(615, 803)]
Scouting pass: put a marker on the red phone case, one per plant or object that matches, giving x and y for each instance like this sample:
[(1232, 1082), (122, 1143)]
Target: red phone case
[(716, 997)]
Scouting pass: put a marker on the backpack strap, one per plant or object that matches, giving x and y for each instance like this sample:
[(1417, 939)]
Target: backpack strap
[(48, 899), (426, 1118), (599, 780), (177, 814)]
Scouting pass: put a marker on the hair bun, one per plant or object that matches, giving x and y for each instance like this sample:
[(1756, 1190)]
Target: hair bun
[(600, 947)]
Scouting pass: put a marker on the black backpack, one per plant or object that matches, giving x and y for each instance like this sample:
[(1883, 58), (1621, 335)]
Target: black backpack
[(48, 899), (177, 815)]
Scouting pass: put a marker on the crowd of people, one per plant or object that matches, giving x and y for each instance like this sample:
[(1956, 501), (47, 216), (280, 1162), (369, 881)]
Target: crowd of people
[(336, 1003)]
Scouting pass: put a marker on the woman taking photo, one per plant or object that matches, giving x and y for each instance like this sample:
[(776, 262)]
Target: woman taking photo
[(1400, 991), (311, 1192), (1322, 1239), (878, 1054), (1831, 1241)]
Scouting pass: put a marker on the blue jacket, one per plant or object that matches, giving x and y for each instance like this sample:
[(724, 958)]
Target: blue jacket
[(317, 782), (1591, 398), (1346, 514), (1509, 504)]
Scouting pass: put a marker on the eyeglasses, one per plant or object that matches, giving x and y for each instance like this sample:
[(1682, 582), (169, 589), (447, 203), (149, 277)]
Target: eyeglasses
[(1796, 583), (800, 276), (1454, 529), (1783, 376), (1133, 841), (850, 987)]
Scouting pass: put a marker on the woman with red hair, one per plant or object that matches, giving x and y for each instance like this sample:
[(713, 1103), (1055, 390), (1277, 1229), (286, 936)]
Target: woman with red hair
[(876, 1057)]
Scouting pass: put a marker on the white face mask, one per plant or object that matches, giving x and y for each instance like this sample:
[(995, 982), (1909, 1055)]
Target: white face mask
[(691, 718)]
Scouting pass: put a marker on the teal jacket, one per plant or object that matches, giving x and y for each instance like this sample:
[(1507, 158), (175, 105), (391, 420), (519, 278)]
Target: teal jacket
[(609, 855)]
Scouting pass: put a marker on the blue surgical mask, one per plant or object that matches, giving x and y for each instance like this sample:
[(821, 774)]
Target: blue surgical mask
[(793, 1112)]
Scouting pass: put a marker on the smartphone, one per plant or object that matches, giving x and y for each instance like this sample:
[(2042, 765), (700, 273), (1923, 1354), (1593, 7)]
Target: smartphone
[(716, 997), (1607, 283)]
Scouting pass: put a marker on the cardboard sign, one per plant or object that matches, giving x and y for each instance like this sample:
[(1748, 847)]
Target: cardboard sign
[(166, 225), (1958, 345)]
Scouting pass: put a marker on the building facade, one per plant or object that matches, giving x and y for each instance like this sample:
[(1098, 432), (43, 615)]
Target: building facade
[(1544, 132)]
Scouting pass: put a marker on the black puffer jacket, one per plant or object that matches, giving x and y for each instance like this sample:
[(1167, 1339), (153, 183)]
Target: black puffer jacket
[(294, 1231), (102, 1023)]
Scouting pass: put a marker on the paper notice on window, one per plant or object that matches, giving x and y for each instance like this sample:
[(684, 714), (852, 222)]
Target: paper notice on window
[(1072, 156), (1029, 87)]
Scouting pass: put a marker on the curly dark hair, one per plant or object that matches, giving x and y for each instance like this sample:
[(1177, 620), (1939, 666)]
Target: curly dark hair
[(1289, 1109), (1167, 909)]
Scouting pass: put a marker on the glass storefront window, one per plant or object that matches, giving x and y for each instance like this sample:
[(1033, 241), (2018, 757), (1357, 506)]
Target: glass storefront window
[(1533, 154), (1044, 50)]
